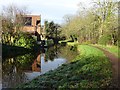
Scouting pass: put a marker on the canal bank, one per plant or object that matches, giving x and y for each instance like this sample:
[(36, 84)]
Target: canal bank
[(90, 69)]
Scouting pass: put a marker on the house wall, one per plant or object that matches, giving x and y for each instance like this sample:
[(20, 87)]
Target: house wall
[(33, 27)]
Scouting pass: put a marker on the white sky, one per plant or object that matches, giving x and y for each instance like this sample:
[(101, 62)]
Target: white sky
[(48, 9)]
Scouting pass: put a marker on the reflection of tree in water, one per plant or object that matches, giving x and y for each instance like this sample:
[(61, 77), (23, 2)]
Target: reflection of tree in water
[(26, 61), (73, 48), (52, 53), (21, 62), (13, 68), (68, 52), (10, 75)]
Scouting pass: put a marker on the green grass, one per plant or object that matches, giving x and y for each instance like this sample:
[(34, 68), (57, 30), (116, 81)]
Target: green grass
[(90, 69), (64, 40), (113, 49), (72, 43), (88, 50)]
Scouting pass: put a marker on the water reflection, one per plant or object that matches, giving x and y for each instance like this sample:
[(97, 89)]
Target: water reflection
[(21, 69), (36, 66)]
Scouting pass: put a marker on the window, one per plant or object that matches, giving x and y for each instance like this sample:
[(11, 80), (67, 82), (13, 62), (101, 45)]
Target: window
[(38, 22), (28, 21)]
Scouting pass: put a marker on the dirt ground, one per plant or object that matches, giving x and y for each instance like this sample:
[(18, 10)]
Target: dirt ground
[(115, 68)]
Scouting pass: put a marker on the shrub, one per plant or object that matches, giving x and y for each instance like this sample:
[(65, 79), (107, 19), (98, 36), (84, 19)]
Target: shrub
[(50, 42), (105, 39), (25, 40)]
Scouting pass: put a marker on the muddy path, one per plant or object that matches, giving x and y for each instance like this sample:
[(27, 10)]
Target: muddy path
[(115, 67)]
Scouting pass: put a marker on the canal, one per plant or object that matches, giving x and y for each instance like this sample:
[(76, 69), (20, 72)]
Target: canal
[(23, 68)]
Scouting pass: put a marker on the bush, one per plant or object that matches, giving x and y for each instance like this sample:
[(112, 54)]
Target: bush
[(25, 40), (105, 39), (50, 42), (118, 43)]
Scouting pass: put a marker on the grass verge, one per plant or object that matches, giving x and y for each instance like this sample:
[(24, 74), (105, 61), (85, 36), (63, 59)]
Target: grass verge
[(112, 49)]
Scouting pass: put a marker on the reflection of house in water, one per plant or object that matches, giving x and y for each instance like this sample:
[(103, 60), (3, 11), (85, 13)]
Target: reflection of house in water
[(36, 66)]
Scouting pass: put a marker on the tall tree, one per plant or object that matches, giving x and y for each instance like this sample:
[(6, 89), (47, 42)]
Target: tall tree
[(52, 31), (107, 11), (97, 24)]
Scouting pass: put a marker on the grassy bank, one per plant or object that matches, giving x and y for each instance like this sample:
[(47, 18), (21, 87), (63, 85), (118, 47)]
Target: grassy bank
[(113, 49), (90, 69)]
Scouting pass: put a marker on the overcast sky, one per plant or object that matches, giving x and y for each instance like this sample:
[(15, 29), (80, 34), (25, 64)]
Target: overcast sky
[(48, 9)]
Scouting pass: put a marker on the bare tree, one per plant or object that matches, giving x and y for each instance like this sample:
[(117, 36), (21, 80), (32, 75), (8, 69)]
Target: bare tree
[(12, 20), (14, 15)]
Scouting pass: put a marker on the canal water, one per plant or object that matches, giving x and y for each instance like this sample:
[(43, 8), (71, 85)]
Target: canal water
[(21, 69)]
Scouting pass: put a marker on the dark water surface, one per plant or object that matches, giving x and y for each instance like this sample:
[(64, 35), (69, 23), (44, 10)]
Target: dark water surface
[(20, 69)]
